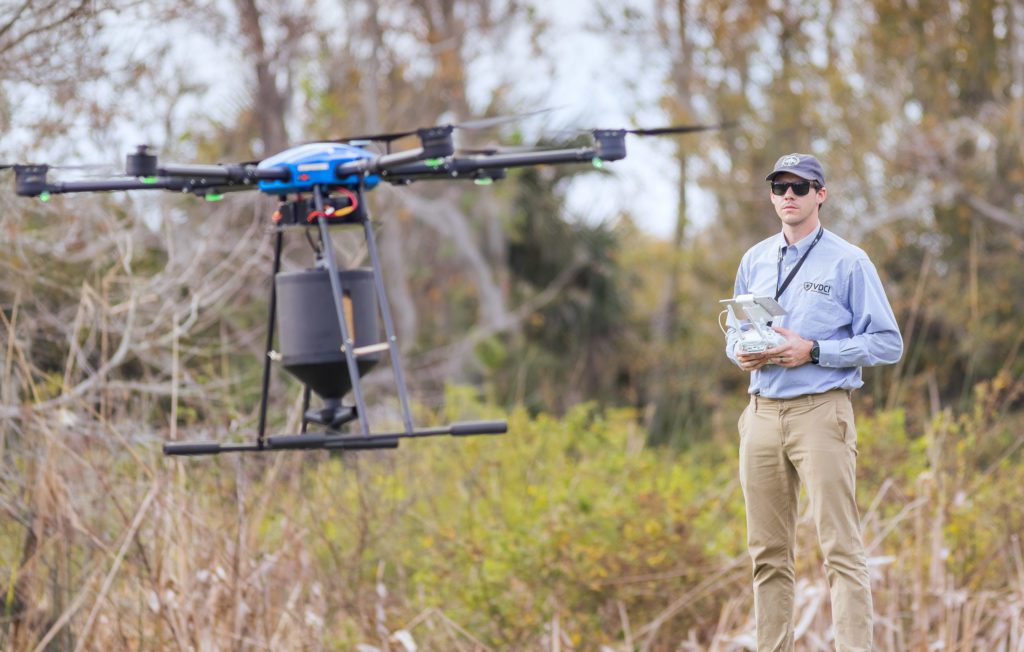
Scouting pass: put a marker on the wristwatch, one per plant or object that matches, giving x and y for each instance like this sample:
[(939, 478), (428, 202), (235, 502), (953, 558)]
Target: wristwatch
[(815, 352)]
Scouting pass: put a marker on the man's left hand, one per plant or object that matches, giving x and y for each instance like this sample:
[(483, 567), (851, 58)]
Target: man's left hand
[(794, 352)]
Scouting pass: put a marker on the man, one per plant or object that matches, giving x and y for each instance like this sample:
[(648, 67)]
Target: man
[(798, 427)]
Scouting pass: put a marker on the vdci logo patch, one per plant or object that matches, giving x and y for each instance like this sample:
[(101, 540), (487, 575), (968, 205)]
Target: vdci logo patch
[(820, 288)]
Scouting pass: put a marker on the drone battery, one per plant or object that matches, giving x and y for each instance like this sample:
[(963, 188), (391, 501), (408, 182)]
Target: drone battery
[(338, 209), (310, 335)]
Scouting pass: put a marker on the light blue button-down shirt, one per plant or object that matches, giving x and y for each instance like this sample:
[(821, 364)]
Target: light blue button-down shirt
[(835, 298)]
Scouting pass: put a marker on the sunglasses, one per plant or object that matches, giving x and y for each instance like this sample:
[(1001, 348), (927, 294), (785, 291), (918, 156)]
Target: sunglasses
[(800, 188)]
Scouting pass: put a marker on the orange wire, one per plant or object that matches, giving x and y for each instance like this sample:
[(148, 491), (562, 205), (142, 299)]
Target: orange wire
[(341, 212)]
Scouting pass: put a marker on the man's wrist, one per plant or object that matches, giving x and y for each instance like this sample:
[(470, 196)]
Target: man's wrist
[(815, 352)]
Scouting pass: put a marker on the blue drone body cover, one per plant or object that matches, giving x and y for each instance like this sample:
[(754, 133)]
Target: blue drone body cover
[(315, 164)]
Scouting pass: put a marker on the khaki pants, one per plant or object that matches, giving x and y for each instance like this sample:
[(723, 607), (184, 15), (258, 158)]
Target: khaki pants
[(783, 442)]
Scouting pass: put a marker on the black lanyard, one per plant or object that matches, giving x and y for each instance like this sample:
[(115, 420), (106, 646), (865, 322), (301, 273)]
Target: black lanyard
[(779, 289)]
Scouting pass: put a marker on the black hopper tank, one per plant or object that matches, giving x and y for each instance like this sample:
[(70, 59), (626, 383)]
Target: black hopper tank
[(309, 336)]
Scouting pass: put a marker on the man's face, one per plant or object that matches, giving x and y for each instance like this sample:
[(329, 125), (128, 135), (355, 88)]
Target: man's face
[(791, 208)]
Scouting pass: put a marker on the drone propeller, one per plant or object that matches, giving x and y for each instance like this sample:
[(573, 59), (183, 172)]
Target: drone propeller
[(681, 129), (655, 131), (484, 123), (475, 124), (660, 131)]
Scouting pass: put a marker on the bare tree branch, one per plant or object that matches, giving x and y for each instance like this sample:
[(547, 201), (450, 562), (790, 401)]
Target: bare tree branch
[(994, 213)]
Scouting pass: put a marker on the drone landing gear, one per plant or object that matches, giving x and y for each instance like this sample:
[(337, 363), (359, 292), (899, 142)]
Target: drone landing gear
[(329, 338)]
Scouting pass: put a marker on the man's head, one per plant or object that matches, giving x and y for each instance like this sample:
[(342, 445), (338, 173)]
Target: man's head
[(797, 189)]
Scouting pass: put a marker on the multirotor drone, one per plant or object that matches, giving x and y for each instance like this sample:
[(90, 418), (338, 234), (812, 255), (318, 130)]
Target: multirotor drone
[(327, 317)]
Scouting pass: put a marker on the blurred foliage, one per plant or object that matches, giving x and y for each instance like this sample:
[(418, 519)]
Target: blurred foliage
[(584, 518)]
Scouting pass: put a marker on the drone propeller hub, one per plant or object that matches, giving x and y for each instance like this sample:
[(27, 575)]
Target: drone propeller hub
[(611, 143), (437, 141), (141, 163), (30, 180)]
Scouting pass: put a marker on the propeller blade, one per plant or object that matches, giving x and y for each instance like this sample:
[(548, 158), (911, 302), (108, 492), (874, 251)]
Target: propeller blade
[(655, 131), (484, 123), (478, 123), (680, 129), (371, 138)]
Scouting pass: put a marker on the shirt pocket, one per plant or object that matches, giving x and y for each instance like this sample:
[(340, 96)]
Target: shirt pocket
[(819, 312)]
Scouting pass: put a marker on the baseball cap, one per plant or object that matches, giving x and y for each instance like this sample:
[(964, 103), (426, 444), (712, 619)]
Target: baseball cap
[(804, 166)]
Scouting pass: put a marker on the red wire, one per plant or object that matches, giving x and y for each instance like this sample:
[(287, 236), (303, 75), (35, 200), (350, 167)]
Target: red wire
[(352, 197)]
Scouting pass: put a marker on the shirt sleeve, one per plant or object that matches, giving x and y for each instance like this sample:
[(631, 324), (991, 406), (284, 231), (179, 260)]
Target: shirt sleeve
[(733, 332), (876, 338)]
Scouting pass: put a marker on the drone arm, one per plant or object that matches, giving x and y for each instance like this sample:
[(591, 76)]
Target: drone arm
[(31, 181), (454, 167), (197, 186), (37, 189), (609, 145), (436, 143), (33, 186), (378, 164), (235, 174), (493, 161), (143, 164)]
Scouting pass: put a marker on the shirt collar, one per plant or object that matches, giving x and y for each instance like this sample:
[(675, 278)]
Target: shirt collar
[(802, 244)]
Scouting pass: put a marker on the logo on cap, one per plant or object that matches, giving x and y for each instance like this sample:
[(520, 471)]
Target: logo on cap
[(789, 161)]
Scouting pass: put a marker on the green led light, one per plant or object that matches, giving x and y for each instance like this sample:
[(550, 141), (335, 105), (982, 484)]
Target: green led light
[(44, 196), (434, 162), (483, 181), (597, 162), (214, 197), (147, 179)]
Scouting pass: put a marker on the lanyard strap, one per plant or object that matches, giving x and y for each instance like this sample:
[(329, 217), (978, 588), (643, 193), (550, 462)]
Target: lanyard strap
[(779, 289)]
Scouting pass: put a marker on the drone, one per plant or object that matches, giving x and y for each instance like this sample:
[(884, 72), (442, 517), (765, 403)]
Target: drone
[(326, 318)]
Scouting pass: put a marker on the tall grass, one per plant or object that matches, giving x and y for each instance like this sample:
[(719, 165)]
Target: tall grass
[(566, 534)]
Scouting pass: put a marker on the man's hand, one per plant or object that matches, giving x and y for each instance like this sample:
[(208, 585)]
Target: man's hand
[(752, 361), (794, 352)]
